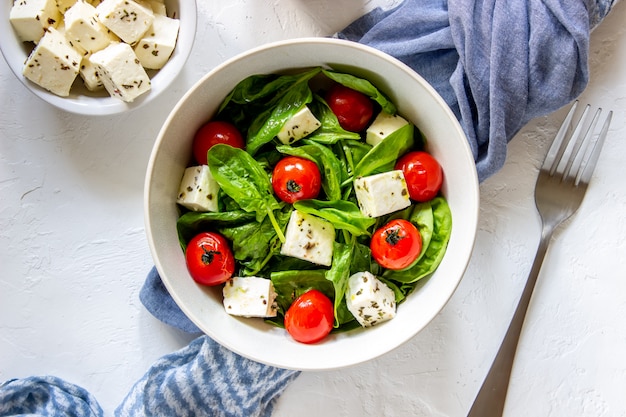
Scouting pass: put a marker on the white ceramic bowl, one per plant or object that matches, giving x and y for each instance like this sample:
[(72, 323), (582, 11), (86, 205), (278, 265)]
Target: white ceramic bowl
[(253, 338), (83, 101)]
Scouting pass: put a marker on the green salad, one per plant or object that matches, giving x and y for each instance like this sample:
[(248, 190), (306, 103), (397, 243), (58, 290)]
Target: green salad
[(253, 219)]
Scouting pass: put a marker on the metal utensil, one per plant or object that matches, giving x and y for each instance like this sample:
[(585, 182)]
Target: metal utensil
[(560, 188)]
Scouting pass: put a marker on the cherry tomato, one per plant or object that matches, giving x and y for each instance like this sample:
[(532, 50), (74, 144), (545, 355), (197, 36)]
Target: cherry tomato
[(210, 260), (353, 109), (310, 317), (212, 133), (296, 178), (396, 245), (422, 173)]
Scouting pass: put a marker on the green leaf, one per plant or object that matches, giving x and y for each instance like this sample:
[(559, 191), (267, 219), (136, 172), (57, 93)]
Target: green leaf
[(343, 214), (364, 86), (245, 181), (289, 285), (339, 274), (193, 222), (383, 156), (330, 131)]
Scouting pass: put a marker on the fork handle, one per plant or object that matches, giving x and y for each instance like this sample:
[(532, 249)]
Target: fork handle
[(490, 399)]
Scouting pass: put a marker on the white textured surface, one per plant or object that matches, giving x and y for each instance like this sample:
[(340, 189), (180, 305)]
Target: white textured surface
[(73, 252)]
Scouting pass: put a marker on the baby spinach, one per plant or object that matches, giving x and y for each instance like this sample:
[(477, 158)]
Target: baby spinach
[(245, 181), (344, 215), (364, 86), (383, 156)]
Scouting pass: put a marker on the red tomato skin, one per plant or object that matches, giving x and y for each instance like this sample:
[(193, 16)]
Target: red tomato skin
[(353, 109), (295, 178), (210, 260), (310, 317), (396, 245), (422, 173), (212, 133)]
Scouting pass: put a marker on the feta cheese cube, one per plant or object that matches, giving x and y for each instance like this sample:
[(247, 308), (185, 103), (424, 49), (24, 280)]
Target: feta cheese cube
[(156, 47), (126, 18), (198, 189), (31, 18), (89, 74), (53, 64), (381, 194), (250, 297), (120, 71), (384, 125), (64, 5), (302, 124), (157, 6), (369, 299), (309, 238), (83, 29)]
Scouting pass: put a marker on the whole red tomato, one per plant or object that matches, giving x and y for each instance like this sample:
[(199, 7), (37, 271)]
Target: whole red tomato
[(296, 178), (310, 317), (422, 173), (396, 245), (212, 133), (353, 109), (209, 258)]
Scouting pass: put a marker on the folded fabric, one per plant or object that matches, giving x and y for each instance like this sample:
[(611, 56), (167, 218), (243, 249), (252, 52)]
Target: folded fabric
[(497, 64)]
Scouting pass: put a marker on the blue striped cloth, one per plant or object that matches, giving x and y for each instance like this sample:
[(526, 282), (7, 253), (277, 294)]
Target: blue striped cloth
[(497, 64)]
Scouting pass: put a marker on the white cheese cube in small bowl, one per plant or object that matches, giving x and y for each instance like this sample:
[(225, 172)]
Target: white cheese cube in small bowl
[(53, 64), (369, 299), (383, 125), (156, 47), (381, 194), (250, 297), (126, 18), (120, 71), (301, 125), (83, 29), (198, 189), (309, 238), (31, 18)]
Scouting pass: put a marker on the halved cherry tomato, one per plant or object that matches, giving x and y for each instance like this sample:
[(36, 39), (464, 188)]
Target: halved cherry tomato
[(353, 109), (210, 260), (422, 173), (296, 178), (310, 317), (396, 245), (212, 133)]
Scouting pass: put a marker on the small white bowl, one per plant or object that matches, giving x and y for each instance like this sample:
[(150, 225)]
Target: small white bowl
[(253, 338), (83, 101)]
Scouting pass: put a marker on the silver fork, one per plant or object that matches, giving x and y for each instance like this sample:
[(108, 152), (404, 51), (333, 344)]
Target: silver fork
[(560, 188)]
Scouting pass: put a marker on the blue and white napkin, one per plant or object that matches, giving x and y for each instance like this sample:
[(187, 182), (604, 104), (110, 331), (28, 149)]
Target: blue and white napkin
[(497, 65)]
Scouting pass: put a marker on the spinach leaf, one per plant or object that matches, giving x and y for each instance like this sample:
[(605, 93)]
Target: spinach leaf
[(289, 285), (193, 222), (330, 131), (284, 105), (383, 156), (338, 274), (364, 87), (244, 180), (255, 243), (343, 214), (422, 216), (442, 227)]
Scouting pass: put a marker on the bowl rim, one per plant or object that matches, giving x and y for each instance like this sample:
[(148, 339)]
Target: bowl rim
[(472, 210), (82, 104)]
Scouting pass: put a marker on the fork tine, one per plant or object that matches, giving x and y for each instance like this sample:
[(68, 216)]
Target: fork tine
[(578, 153), (566, 148), (590, 159), (558, 140)]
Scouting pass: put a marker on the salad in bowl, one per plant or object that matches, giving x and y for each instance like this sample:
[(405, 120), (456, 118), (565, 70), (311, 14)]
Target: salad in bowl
[(311, 204)]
